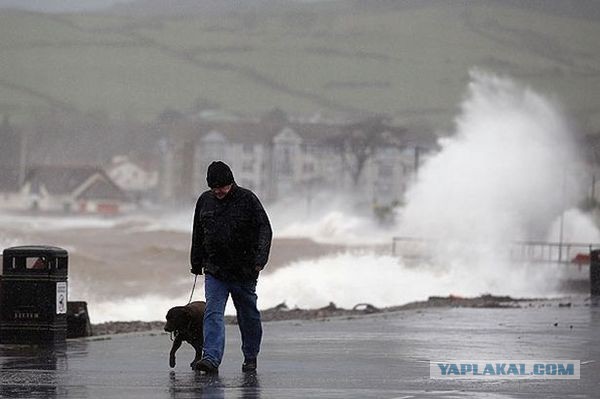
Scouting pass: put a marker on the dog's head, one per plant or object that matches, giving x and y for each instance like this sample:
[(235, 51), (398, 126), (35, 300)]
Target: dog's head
[(178, 318)]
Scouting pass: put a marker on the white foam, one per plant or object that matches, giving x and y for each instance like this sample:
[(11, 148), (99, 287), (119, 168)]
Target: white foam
[(145, 308), (31, 222), (578, 227), (506, 174), (349, 278)]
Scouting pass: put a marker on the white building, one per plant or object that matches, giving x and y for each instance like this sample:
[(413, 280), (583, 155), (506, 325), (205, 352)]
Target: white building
[(131, 177), (280, 158)]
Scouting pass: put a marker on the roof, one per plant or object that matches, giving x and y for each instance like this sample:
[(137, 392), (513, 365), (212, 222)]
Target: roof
[(239, 131), (60, 179), (263, 132), (102, 190), (65, 180), (255, 131)]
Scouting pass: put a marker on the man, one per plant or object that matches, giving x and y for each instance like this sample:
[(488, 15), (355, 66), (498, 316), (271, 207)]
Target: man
[(231, 241)]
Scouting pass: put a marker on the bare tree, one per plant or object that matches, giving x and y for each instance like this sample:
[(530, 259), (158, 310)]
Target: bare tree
[(359, 141)]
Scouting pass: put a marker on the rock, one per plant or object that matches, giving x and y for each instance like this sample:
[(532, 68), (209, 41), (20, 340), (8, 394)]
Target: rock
[(281, 306), (330, 308), (366, 308)]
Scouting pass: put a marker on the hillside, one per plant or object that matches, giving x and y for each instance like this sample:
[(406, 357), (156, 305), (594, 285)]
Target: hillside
[(409, 59)]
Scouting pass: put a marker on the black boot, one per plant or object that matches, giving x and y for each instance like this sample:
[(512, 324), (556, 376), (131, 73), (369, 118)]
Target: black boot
[(249, 365), (206, 366)]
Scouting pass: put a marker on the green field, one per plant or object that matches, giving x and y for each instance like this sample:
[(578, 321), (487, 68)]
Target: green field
[(410, 61)]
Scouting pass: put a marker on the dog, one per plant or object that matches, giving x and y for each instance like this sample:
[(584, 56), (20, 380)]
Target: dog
[(186, 324)]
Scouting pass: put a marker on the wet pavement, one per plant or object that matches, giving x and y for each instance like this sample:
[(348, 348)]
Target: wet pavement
[(378, 356)]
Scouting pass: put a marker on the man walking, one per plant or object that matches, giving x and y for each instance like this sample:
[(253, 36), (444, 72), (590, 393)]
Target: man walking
[(231, 241)]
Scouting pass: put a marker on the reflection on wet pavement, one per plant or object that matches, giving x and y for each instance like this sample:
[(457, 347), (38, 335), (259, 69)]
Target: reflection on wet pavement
[(379, 356), (212, 386), (32, 371)]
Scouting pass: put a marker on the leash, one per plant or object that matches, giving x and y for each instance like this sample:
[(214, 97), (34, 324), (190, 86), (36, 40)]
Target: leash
[(193, 288)]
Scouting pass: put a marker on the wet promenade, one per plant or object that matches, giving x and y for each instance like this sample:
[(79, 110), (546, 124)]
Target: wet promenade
[(380, 356)]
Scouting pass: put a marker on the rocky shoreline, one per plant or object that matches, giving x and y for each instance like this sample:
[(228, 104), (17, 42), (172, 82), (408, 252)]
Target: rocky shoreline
[(282, 312)]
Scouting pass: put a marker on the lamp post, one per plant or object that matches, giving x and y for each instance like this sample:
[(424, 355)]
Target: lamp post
[(562, 213)]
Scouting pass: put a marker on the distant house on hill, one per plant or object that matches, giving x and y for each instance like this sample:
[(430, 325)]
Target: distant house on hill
[(77, 189)]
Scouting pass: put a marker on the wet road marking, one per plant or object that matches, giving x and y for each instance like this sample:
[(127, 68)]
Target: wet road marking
[(588, 362)]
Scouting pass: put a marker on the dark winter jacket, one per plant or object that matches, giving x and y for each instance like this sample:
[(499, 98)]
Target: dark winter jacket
[(231, 236)]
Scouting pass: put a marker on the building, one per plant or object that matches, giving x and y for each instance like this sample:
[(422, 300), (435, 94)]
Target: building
[(278, 158), (131, 177), (11, 164), (72, 189)]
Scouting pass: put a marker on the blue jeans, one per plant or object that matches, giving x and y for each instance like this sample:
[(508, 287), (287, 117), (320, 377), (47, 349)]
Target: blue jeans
[(248, 317)]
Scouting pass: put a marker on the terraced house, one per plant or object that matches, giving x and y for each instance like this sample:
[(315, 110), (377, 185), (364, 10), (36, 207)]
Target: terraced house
[(277, 157)]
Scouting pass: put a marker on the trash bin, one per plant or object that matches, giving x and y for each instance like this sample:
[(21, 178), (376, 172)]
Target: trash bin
[(33, 303), (595, 273), (78, 320)]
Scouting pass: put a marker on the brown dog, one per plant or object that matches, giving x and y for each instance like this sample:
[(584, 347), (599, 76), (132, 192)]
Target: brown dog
[(186, 323)]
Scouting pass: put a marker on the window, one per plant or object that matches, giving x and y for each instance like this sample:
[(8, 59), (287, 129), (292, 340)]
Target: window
[(285, 161), (385, 171), (248, 148), (308, 168), (248, 166), (214, 151)]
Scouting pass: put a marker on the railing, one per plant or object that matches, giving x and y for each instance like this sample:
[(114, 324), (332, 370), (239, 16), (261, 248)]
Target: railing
[(518, 251), (551, 252)]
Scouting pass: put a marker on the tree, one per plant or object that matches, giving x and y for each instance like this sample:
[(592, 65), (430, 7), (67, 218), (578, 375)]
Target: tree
[(359, 141)]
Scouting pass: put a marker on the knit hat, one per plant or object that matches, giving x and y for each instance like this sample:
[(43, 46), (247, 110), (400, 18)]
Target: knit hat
[(218, 175)]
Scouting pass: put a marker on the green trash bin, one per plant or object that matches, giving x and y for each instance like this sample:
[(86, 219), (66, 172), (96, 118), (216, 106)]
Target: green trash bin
[(33, 302)]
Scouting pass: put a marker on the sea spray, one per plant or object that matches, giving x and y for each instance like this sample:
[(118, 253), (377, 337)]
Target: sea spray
[(500, 178), (577, 227), (506, 174)]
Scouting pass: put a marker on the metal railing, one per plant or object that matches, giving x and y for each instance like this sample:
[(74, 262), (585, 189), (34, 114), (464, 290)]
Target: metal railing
[(517, 251), (551, 252)]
